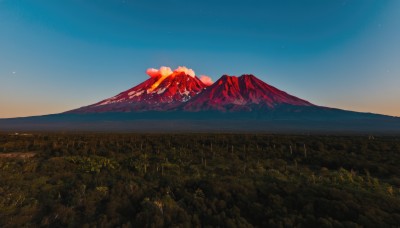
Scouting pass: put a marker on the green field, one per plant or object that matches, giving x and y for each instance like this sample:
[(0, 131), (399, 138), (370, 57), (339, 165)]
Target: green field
[(199, 180)]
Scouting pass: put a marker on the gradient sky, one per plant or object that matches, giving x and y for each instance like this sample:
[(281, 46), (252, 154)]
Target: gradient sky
[(64, 54)]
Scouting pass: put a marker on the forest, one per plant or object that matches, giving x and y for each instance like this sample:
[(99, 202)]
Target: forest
[(198, 180)]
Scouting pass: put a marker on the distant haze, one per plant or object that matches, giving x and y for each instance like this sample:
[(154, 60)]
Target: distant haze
[(60, 55)]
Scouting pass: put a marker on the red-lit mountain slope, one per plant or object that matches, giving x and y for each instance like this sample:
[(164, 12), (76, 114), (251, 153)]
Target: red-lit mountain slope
[(178, 101), (244, 93), (160, 93)]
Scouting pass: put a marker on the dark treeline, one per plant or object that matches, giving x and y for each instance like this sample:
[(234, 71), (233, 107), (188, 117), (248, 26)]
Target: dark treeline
[(199, 180)]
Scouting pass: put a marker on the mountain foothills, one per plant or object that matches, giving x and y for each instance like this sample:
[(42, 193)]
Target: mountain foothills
[(178, 100)]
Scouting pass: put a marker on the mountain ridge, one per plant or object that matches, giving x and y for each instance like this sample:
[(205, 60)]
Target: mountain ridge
[(182, 92), (155, 94), (243, 93), (178, 100)]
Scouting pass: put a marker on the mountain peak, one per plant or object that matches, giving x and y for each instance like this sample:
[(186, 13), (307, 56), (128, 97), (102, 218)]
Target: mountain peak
[(247, 76), (158, 93), (244, 93), (232, 78), (181, 89), (175, 76)]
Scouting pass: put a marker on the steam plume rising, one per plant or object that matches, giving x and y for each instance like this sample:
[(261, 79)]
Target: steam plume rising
[(163, 71), (183, 69), (206, 80), (166, 71)]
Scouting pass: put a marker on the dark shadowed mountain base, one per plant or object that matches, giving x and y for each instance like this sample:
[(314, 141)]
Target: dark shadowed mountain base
[(286, 119)]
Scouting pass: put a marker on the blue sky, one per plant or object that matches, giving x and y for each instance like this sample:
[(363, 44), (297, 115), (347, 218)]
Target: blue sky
[(60, 55)]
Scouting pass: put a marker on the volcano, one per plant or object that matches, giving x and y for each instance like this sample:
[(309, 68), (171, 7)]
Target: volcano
[(180, 101), (244, 93), (180, 91), (159, 93)]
